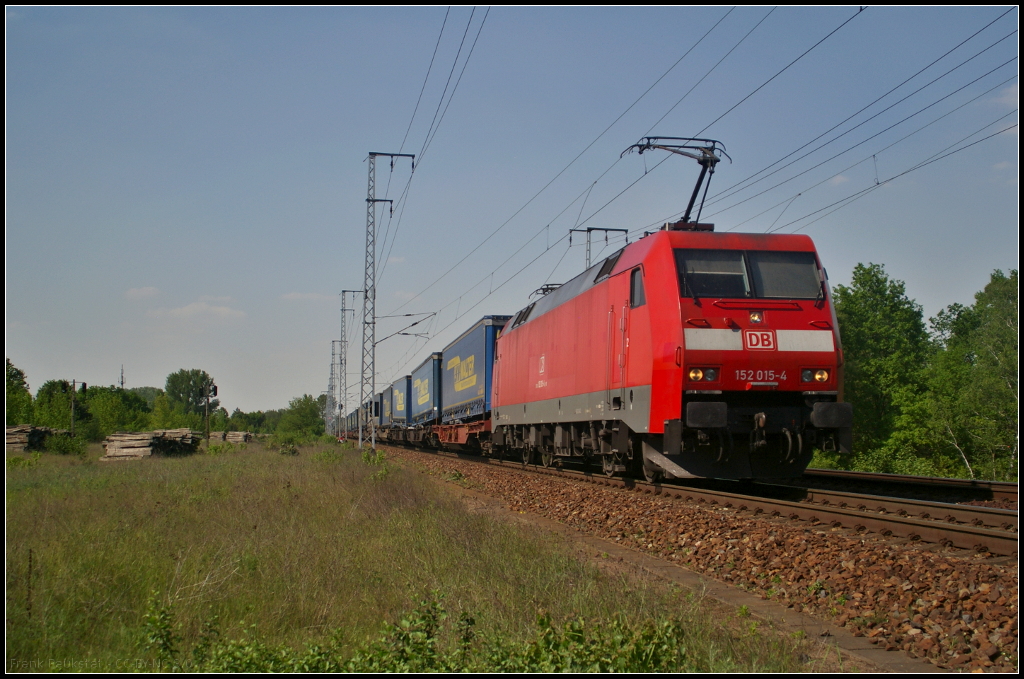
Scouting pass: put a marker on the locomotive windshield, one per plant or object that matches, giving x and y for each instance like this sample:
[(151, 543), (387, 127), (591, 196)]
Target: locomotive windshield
[(745, 274)]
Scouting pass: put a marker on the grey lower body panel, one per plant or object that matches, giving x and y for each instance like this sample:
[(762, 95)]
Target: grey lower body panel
[(631, 405)]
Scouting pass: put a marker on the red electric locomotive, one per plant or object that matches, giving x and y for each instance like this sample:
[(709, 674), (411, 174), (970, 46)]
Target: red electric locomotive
[(688, 353)]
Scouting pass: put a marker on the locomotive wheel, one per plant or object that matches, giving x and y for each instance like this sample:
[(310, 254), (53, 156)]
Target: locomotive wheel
[(791, 443), (547, 457), (651, 475)]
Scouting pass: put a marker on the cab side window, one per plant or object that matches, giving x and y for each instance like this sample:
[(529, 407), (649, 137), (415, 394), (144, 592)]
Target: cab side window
[(636, 289)]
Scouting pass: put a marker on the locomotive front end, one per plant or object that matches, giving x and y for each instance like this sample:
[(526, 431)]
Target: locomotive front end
[(760, 360)]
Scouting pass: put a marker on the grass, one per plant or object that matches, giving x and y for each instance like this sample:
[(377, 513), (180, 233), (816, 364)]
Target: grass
[(200, 556)]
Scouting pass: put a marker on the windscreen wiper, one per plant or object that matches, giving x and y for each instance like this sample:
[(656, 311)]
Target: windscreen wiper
[(693, 293)]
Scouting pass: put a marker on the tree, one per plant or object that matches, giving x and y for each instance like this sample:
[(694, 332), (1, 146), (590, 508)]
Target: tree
[(116, 409), (303, 416), (19, 399), (885, 347), (148, 394), (187, 389), (973, 382)]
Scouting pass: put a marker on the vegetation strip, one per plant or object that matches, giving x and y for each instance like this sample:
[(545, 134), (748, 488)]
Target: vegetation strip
[(289, 558)]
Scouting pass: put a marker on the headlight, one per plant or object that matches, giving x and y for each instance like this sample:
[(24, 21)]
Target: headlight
[(710, 375), (821, 375), (756, 317), (696, 374)]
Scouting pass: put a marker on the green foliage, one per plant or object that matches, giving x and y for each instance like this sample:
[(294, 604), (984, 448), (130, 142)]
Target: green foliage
[(115, 409), (304, 416), (161, 636), (885, 347), (187, 390), (62, 444), (19, 399), (168, 415), (53, 405), (425, 640), (944, 405), (222, 448), (377, 459), (147, 394), (973, 383), (20, 462)]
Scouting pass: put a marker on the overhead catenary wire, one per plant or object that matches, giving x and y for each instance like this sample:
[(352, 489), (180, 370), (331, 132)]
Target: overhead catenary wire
[(866, 107), (676, 214), (720, 197), (864, 141), (939, 155), (564, 169), (434, 128), (734, 106)]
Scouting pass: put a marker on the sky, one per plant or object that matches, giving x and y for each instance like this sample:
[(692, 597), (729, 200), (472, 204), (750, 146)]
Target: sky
[(186, 187)]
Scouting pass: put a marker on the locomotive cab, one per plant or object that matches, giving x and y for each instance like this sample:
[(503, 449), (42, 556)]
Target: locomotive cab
[(761, 360)]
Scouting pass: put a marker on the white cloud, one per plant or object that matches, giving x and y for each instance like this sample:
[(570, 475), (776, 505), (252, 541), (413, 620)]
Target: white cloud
[(198, 310), (838, 179), (209, 298), (402, 294), (1009, 96), (1005, 165), (141, 293), (316, 296)]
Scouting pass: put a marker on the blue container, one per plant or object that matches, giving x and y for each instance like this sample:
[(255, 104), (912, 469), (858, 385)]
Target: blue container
[(425, 391), (385, 412), (467, 368), (400, 399)]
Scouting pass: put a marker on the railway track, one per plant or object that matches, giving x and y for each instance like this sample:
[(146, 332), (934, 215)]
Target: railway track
[(999, 493), (982, 529)]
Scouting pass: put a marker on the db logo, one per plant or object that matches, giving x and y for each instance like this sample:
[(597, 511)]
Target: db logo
[(759, 339)]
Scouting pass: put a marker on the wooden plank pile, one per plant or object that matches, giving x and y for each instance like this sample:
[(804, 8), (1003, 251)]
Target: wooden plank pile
[(139, 445), (217, 436), (238, 437), (26, 437), (128, 446)]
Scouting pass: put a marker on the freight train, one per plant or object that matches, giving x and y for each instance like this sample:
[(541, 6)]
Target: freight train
[(687, 353)]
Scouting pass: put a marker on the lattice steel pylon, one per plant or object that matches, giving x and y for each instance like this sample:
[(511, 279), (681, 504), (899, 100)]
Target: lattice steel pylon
[(330, 405), (367, 384), (343, 355)]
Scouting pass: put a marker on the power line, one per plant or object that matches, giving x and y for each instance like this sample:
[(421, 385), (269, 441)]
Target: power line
[(425, 79), (720, 197), (732, 108), (564, 169), (854, 115), (786, 68), (928, 161), (864, 141), (430, 135)]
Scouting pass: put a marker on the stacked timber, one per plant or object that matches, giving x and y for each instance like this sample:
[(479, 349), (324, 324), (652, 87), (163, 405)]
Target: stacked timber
[(139, 445), (20, 437), (26, 437), (238, 437), (217, 435), (128, 446), (176, 441)]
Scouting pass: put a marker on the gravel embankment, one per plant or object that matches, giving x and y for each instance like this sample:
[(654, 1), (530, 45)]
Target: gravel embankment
[(955, 608)]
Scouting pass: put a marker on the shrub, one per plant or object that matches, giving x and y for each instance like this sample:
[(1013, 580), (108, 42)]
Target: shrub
[(66, 445)]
